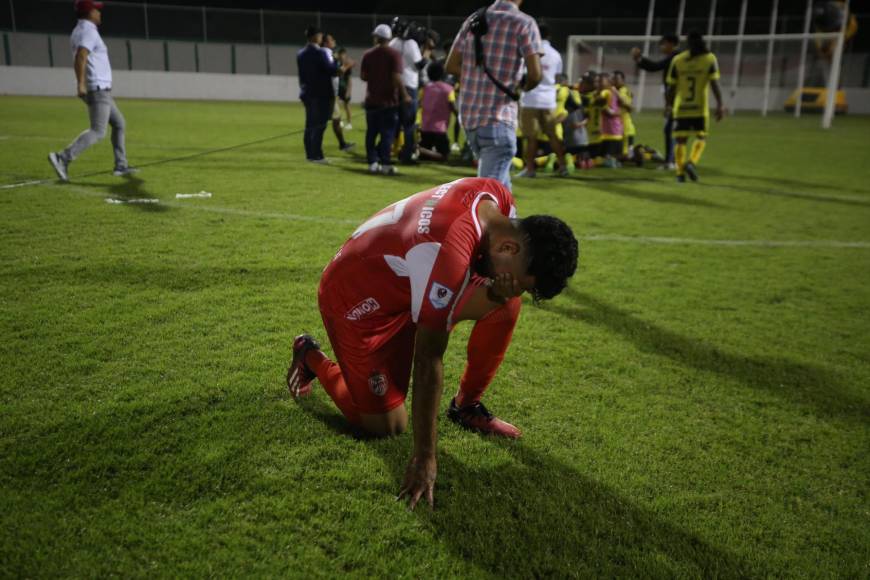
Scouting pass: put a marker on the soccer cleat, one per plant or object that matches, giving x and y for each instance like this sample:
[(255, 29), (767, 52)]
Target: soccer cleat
[(476, 417), (299, 376), (563, 172), (526, 173), (348, 146), (691, 171), (681, 179), (59, 166), (123, 171)]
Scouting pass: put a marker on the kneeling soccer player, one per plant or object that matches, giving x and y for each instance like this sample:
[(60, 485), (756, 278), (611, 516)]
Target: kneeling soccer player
[(399, 285)]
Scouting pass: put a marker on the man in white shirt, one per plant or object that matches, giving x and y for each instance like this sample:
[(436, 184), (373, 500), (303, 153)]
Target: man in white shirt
[(413, 61), (538, 108), (94, 86)]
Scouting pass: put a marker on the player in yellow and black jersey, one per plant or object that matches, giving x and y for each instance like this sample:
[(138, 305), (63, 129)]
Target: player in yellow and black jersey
[(691, 73)]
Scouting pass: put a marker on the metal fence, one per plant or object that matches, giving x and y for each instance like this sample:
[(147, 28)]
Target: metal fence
[(206, 24)]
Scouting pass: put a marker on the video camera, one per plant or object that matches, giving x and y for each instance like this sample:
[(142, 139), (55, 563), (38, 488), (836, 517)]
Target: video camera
[(424, 36)]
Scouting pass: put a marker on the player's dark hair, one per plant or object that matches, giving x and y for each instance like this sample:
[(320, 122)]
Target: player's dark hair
[(553, 253), (672, 38), (696, 43), (311, 32), (544, 29), (618, 73), (435, 71)]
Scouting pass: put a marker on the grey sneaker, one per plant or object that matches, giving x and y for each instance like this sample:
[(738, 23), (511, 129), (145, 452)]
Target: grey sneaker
[(389, 170), (122, 171), (563, 172), (59, 166), (321, 161), (348, 146), (526, 173), (375, 168)]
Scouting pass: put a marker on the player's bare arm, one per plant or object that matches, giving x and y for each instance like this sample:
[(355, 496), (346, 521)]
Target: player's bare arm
[(534, 72), (453, 65), (717, 92), (80, 65), (428, 383)]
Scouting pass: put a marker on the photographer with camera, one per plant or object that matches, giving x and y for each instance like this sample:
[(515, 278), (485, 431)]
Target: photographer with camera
[(488, 55), (404, 40)]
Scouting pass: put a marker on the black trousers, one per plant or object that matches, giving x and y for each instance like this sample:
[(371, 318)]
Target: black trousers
[(318, 111)]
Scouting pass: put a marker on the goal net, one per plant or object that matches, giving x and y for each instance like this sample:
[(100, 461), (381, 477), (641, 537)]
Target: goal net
[(763, 73)]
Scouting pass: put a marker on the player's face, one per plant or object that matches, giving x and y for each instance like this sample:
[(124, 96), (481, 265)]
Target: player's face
[(666, 47), (96, 16)]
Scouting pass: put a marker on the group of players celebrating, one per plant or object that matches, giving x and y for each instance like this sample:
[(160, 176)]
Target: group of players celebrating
[(595, 126)]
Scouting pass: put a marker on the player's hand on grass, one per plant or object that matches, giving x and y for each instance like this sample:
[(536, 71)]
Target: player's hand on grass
[(419, 481)]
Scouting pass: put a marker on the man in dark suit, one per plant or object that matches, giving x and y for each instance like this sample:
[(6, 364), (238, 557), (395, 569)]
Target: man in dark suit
[(316, 70), (669, 46)]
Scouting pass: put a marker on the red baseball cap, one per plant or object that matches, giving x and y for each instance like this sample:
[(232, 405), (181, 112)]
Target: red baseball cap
[(84, 7)]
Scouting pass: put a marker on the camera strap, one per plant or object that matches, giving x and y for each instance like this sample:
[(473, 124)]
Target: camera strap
[(479, 27)]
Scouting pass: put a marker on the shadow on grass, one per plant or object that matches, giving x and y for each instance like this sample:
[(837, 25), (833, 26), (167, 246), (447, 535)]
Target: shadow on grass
[(618, 186), (129, 188), (536, 517), (806, 384), (774, 187), (785, 181)]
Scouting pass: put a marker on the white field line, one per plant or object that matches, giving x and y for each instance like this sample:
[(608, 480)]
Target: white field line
[(645, 240), (702, 242)]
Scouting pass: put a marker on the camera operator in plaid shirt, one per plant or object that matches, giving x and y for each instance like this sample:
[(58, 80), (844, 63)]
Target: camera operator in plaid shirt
[(488, 113)]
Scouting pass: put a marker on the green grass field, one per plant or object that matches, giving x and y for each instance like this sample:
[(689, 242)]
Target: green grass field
[(690, 408)]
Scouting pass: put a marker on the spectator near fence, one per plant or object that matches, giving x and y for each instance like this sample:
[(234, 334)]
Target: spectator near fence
[(413, 60), (344, 65), (487, 112), (381, 69), (669, 47), (94, 87), (316, 70)]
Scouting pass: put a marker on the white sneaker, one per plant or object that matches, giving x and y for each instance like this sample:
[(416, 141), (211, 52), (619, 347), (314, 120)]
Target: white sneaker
[(375, 167), (455, 148), (59, 166), (389, 170), (348, 127), (321, 161), (668, 167)]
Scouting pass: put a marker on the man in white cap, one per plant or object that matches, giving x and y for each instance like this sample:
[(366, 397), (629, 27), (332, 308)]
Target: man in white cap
[(381, 69), (94, 86)]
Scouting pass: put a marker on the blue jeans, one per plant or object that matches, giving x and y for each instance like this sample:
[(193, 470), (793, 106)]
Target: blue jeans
[(408, 121), (494, 146), (383, 122), (318, 111)]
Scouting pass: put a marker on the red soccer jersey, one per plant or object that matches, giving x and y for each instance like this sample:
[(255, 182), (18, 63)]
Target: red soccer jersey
[(411, 262)]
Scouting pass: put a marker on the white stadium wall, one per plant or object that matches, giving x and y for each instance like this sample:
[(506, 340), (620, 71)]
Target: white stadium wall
[(38, 80), (27, 80)]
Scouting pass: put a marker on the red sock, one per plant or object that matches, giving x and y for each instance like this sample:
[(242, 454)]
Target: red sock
[(487, 346), (329, 375)]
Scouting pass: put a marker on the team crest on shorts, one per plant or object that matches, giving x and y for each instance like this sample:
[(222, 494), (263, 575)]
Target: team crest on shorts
[(440, 295), (378, 384)]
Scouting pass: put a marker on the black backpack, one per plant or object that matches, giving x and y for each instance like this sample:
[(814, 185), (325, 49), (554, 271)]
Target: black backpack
[(479, 27)]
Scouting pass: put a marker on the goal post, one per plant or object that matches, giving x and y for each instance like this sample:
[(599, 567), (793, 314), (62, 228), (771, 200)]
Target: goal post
[(759, 71)]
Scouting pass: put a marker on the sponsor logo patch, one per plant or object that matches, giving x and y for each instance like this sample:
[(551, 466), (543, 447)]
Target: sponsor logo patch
[(440, 295), (378, 384), (363, 309)]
